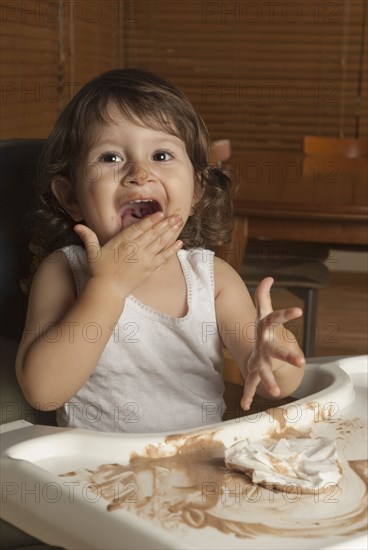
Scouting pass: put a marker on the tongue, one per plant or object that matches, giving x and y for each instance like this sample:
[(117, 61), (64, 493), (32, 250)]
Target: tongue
[(138, 211), (128, 219), (144, 210)]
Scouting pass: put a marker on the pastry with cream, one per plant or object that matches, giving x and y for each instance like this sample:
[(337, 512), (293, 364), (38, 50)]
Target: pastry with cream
[(301, 465)]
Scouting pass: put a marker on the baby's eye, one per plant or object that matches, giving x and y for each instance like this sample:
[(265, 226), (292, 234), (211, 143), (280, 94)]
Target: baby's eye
[(111, 157), (162, 156)]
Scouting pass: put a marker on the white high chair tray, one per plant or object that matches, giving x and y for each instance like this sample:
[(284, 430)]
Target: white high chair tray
[(82, 489)]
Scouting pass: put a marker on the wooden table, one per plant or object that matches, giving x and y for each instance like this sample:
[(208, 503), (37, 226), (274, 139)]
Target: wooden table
[(288, 196)]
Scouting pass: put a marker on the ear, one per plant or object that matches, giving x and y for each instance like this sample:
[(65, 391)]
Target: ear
[(65, 194)]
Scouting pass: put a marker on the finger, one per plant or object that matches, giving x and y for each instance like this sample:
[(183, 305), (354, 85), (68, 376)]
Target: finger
[(283, 315), (250, 388), (162, 257), (280, 316), (90, 241), (263, 374), (139, 228), (263, 297), (150, 228), (170, 251), (284, 354), (162, 235), (268, 380)]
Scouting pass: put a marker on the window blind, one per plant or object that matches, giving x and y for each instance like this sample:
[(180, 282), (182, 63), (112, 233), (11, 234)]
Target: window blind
[(91, 40), (261, 73), (49, 49), (29, 69)]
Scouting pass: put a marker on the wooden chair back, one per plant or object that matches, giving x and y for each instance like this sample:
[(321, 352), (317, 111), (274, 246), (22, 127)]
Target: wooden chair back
[(330, 157), (335, 147), (220, 151)]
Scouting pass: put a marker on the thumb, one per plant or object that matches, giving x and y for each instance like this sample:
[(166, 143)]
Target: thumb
[(90, 241)]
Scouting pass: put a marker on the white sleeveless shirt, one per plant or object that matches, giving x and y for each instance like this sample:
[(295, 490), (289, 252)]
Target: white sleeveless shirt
[(157, 373)]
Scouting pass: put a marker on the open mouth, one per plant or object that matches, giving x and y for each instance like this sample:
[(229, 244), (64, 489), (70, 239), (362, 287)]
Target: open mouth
[(139, 209)]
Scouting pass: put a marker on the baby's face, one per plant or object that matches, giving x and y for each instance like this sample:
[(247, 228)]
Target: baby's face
[(130, 171)]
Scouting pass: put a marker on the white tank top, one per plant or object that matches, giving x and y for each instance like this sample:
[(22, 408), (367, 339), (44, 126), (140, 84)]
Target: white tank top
[(157, 373)]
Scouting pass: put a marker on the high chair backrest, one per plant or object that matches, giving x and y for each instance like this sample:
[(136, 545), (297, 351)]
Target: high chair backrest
[(18, 161)]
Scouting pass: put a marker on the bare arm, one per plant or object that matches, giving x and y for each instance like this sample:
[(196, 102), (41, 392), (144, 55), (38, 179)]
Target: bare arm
[(266, 352), (56, 355)]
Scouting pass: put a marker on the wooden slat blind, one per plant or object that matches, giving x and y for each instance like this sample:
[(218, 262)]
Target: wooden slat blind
[(91, 41), (262, 74), (49, 49), (29, 69)]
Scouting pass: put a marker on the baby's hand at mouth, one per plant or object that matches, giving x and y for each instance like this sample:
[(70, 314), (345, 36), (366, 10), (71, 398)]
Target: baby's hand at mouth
[(132, 255)]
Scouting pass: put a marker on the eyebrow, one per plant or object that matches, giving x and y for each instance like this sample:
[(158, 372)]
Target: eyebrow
[(170, 139), (101, 143), (159, 140)]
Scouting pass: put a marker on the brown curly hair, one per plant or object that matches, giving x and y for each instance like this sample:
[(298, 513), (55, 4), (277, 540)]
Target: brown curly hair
[(143, 96)]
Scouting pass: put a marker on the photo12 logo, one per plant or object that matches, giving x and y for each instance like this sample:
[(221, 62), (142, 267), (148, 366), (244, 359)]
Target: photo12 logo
[(66, 490), (36, 91), (69, 11), (270, 12)]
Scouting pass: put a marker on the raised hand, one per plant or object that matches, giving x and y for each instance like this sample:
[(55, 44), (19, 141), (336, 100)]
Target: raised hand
[(271, 352), (134, 253)]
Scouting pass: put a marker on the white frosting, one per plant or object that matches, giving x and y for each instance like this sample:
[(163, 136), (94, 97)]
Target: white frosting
[(308, 464)]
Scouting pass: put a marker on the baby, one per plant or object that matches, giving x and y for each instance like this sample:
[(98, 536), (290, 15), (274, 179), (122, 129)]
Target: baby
[(129, 312)]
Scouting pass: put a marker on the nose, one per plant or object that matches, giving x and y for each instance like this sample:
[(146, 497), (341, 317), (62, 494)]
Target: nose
[(137, 174)]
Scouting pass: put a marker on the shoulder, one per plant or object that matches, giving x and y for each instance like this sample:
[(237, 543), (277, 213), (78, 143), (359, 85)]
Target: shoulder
[(54, 275), (223, 276), (226, 277), (56, 263)]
